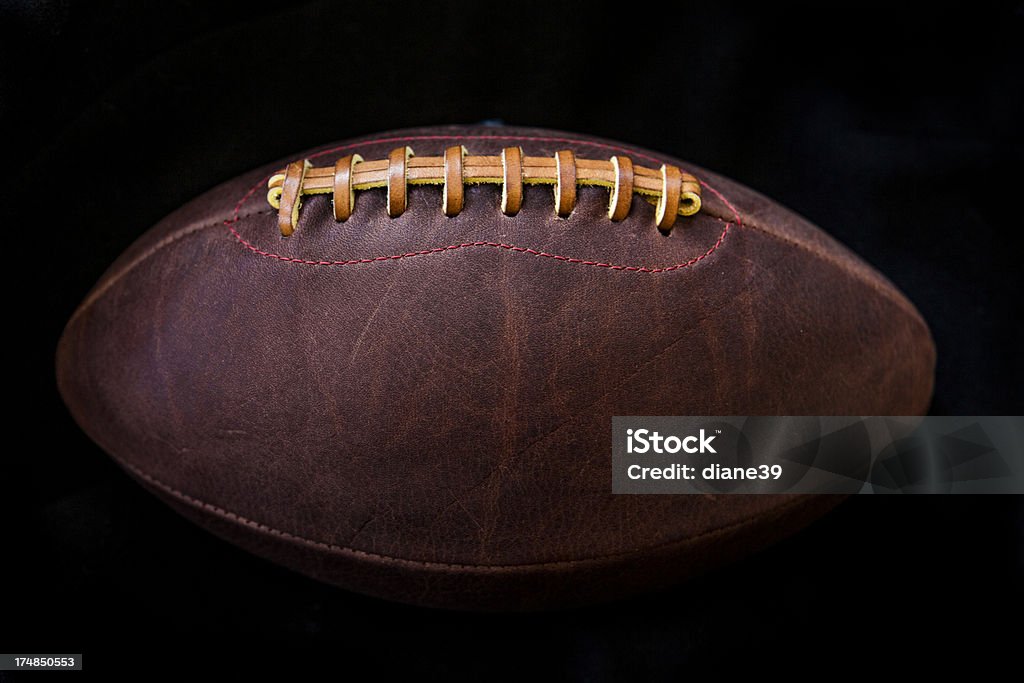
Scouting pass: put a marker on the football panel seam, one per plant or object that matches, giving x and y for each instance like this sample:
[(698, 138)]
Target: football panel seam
[(499, 245), (887, 292), (737, 217), (237, 518), (107, 282)]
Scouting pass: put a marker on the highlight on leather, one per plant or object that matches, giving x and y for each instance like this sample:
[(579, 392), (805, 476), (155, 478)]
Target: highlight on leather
[(668, 202), (673, 192), (622, 192)]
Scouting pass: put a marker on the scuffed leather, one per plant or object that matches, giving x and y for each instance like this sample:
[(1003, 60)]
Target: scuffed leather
[(435, 429)]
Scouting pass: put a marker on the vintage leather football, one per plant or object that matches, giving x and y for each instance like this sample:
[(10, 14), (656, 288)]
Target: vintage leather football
[(392, 363)]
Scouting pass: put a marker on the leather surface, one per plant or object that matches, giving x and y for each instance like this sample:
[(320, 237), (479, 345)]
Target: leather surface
[(433, 426)]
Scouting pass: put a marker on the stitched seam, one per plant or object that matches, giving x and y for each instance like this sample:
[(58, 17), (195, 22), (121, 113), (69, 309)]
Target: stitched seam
[(322, 545), (737, 218), (165, 241), (442, 249), (237, 216), (893, 296), (499, 245)]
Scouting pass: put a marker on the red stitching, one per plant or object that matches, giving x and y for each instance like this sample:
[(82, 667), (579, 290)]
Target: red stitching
[(499, 245), (523, 250), (793, 502)]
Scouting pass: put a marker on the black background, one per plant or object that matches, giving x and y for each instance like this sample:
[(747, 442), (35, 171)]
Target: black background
[(896, 130)]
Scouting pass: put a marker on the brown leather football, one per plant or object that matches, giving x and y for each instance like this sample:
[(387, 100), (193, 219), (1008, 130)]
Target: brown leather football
[(392, 363)]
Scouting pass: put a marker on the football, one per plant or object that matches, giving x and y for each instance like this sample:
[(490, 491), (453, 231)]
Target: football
[(391, 363)]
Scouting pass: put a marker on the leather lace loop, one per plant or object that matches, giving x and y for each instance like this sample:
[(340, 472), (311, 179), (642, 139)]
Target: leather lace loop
[(673, 192)]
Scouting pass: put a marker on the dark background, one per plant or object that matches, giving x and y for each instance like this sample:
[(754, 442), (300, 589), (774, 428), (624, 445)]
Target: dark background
[(896, 130)]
